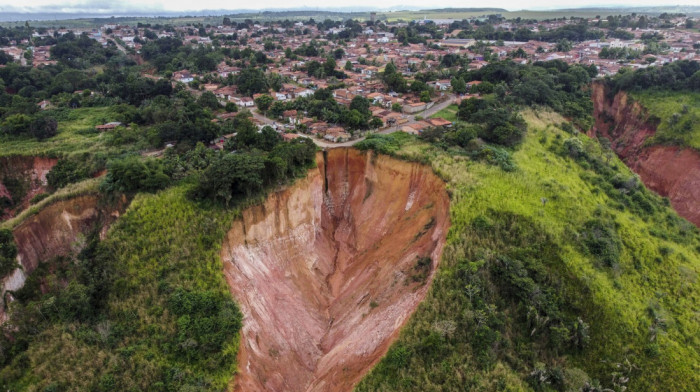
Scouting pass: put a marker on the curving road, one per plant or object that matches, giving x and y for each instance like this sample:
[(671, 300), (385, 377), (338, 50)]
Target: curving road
[(411, 120)]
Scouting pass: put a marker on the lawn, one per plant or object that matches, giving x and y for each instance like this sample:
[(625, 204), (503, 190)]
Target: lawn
[(449, 113)]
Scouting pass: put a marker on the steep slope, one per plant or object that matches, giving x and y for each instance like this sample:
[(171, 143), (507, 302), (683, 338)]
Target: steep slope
[(672, 171), (22, 178), (561, 275), (55, 230), (327, 271)]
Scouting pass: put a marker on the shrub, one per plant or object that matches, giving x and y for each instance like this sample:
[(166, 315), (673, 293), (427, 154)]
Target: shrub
[(131, 174), (601, 240), (8, 252)]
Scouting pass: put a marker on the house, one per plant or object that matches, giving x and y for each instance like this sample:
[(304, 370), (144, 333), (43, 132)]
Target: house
[(290, 115), (443, 85), (108, 126), (303, 92), (288, 137), (280, 96), (183, 76), (472, 84), (43, 105), (336, 134), (317, 128), (211, 87), (420, 126), (224, 70), (439, 122), (245, 102), (225, 93), (414, 107), (376, 98)]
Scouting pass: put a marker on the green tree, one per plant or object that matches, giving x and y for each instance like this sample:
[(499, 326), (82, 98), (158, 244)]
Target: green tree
[(43, 127), (231, 176), (263, 102), (252, 81), (348, 66), (564, 45), (209, 100), (131, 174), (361, 104), (16, 124), (459, 86), (8, 252)]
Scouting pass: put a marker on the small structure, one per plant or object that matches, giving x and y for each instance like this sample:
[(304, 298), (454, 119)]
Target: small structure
[(109, 126), (288, 137), (439, 122)]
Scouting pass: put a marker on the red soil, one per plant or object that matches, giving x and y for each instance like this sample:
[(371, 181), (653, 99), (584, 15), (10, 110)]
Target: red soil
[(323, 270), (671, 171), (31, 169), (56, 230)]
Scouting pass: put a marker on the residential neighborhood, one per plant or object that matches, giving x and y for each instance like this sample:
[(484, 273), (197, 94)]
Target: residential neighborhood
[(400, 68)]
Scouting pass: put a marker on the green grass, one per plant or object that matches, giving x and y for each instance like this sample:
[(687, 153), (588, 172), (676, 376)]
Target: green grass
[(72, 190), (516, 270), (678, 114), (449, 113), (76, 134), (529, 254), (163, 246)]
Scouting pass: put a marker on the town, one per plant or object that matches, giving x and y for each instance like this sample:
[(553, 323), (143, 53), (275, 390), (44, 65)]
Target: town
[(404, 71)]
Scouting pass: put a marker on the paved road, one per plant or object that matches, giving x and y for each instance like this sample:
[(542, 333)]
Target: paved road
[(326, 144)]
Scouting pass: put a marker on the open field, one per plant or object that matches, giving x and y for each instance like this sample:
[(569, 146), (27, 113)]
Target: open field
[(449, 113)]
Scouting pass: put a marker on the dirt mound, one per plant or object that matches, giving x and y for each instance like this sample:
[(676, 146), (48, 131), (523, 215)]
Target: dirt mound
[(668, 170), (328, 270)]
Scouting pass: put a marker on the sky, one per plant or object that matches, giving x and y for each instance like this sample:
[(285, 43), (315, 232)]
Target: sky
[(121, 7)]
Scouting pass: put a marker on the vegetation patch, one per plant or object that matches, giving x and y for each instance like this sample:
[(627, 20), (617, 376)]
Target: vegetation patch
[(551, 277)]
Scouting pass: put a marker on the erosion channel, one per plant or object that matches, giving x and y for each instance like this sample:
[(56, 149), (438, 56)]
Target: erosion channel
[(328, 270)]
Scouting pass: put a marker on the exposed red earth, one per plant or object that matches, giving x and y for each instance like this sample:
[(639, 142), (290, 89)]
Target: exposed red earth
[(670, 171), (56, 230), (32, 171), (328, 270)]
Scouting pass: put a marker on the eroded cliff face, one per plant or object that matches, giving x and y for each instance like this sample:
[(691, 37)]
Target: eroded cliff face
[(29, 176), (328, 270), (56, 230), (671, 171)]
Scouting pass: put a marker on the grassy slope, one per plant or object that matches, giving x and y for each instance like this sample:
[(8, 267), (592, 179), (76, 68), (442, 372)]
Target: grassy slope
[(76, 134), (163, 241), (678, 114), (654, 284), (90, 186)]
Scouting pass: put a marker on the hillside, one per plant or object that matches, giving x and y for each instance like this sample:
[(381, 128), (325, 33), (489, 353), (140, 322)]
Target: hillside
[(654, 133), (677, 115), (224, 207), (561, 272)]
